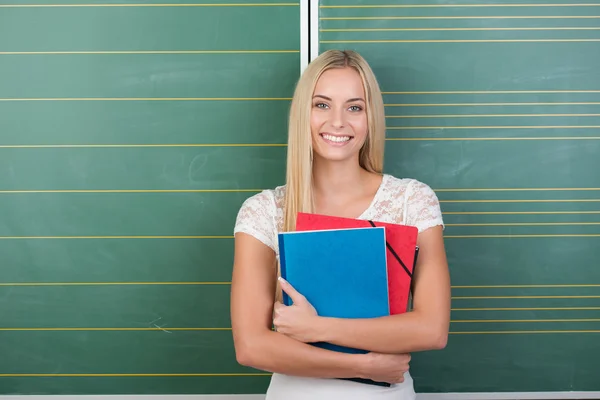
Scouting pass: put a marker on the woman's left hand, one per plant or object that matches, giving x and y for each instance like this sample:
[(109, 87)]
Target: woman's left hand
[(298, 321)]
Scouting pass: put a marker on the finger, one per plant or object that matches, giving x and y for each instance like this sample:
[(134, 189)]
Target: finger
[(293, 293), (279, 307)]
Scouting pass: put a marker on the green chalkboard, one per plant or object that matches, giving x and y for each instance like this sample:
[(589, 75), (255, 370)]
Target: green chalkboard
[(130, 134), (496, 105)]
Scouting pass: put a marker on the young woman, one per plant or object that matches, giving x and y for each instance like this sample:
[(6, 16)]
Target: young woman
[(334, 167)]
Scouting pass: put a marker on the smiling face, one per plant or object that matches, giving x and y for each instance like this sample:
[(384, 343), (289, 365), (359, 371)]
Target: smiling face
[(338, 116)]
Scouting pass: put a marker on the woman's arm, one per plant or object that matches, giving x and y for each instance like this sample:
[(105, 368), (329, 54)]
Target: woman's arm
[(256, 344), (423, 328)]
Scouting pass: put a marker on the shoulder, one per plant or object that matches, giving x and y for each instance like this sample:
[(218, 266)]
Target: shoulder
[(257, 216), (419, 202), (407, 190), (399, 186), (263, 201), (258, 208)]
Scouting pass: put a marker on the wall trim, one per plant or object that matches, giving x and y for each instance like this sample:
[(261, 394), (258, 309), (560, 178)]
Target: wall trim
[(314, 28), (422, 396), (304, 34)]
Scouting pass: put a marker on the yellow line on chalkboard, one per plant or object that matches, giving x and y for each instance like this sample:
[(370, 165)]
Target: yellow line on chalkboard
[(45, 146), (114, 329), (466, 17), (459, 5), (529, 224), (495, 138), (114, 237), (131, 191), (231, 237), (42, 146), (157, 375), (524, 201), (289, 98), (459, 29), (228, 283), (258, 190), (153, 5), (149, 52), (524, 297), (149, 99), (224, 283), (168, 329), (497, 127), (488, 115), (557, 285), (510, 189), (500, 321), (523, 332), (496, 91), (523, 236), (527, 309), (108, 283), (516, 212), (586, 103), (462, 41)]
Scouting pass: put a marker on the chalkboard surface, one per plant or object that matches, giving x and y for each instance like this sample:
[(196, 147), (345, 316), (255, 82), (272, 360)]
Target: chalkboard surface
[(496, 105), (130, 134)]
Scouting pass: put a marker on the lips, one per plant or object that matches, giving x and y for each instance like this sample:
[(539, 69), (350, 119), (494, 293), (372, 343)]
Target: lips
[(336, 138)]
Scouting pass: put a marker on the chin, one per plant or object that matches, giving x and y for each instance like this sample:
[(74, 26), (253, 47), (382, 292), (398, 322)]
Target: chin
[(336, 155), (337, 147)]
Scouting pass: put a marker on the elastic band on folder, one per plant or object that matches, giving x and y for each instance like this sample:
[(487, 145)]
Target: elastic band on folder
[(396, 256)]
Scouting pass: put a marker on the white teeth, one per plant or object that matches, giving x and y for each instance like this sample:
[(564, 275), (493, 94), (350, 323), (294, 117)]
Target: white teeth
[(338, 139)]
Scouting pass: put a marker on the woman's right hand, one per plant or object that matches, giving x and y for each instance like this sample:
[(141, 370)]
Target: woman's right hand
[(388, 368)]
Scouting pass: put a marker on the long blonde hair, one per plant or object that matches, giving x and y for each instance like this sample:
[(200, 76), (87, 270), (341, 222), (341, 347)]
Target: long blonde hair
[(298, 192)]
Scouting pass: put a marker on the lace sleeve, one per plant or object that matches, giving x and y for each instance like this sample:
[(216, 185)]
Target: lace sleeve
[(256, 217), (423, 207)]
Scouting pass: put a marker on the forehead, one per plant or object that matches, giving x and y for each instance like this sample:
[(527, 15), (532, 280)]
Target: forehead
[(340, 82)]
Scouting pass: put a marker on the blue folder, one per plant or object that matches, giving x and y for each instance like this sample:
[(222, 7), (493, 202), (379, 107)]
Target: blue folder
[(341, 272)]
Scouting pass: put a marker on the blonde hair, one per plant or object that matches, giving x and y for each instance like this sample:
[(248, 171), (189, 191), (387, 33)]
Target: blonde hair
[(298, 192)]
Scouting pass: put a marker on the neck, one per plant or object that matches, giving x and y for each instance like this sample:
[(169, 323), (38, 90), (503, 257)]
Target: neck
[(336, 179)]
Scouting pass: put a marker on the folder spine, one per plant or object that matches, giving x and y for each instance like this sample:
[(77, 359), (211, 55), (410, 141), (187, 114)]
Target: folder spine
[(282, 268)]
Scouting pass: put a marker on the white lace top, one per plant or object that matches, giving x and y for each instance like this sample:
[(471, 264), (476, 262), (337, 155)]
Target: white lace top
[(402, 201)]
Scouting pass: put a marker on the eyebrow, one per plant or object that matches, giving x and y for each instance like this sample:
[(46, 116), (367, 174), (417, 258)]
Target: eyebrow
[(348, 101)]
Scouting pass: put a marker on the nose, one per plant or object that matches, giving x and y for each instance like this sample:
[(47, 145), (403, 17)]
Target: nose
[(338, 118)]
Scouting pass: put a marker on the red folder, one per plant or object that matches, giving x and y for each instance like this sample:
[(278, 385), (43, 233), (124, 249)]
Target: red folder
[(401, 243)]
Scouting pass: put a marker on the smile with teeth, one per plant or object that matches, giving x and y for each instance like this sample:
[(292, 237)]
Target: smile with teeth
[(337, 139)]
